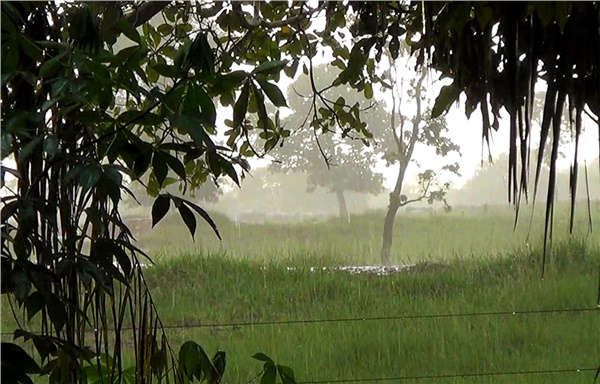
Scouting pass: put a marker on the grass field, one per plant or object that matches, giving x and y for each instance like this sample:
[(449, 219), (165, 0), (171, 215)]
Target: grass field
[(470, 261)]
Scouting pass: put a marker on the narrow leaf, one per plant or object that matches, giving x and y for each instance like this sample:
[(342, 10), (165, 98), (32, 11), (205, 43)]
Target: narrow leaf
[(188, 218), (205, 216), (270, 67), (241, 106)]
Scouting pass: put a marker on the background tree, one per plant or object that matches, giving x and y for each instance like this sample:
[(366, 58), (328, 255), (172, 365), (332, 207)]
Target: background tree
[(400, 143), (330, 158)]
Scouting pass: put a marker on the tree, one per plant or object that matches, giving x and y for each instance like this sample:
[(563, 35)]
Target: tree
[(330, 158), (400, 149)]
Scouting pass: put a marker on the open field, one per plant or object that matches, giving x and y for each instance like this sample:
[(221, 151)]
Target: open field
[(469, 261)]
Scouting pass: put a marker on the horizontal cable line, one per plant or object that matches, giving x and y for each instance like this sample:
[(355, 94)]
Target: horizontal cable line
[(357, 319), (383, 318), (453, 376)]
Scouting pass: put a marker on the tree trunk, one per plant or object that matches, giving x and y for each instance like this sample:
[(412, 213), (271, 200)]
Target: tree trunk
[(388, 229), (405, 151), (343, 207)]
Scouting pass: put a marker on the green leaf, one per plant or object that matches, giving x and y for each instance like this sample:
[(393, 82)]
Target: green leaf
[(34, 303), (273, 93), (368, 91), (286, 374), (31, 147), (394, 47), (263, 118), (165, 70), (204, 215), (15, 358), (448, 94), (57, 312), (160, 208), (228, 82), (21, 285), (230, 171), (30, 48), (129, 30), (269, 374), (189, 360), (270, 67), (51, 67), (89, 175), (207, 107), (262, 357), (201, 55), (176, 165), (188, 218), (159, 167), (241, 106), (165, 29)]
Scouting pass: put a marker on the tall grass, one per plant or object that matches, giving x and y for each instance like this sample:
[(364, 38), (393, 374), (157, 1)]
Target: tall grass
[(195, 289), (465, 233)]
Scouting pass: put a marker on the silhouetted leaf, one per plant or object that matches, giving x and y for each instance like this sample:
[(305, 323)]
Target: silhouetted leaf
[(270, 67), (204, 215), (447, 96), (241, 106), (57, 312), (128, 30), (160, 208), (159, 167), (188, 218), (34, 303)]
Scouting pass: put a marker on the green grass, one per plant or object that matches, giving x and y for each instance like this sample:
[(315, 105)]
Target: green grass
[(475, 263), (196, 289)]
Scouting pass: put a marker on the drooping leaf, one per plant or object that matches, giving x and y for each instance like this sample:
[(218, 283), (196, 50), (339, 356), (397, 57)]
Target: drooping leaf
[(241, 106), (160, 208), (159, 167), (448, 95), (204, 215), (269, 374), (286, 374), (263, 117), (188, 218), (273, 93)]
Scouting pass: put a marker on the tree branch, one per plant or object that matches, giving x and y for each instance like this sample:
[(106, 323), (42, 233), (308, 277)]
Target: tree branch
[(146, 11), (255, 23)]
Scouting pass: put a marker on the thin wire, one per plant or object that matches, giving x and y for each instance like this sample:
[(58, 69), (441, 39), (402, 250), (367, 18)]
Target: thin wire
[(378, 318), (453, 376), (382, 318)]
